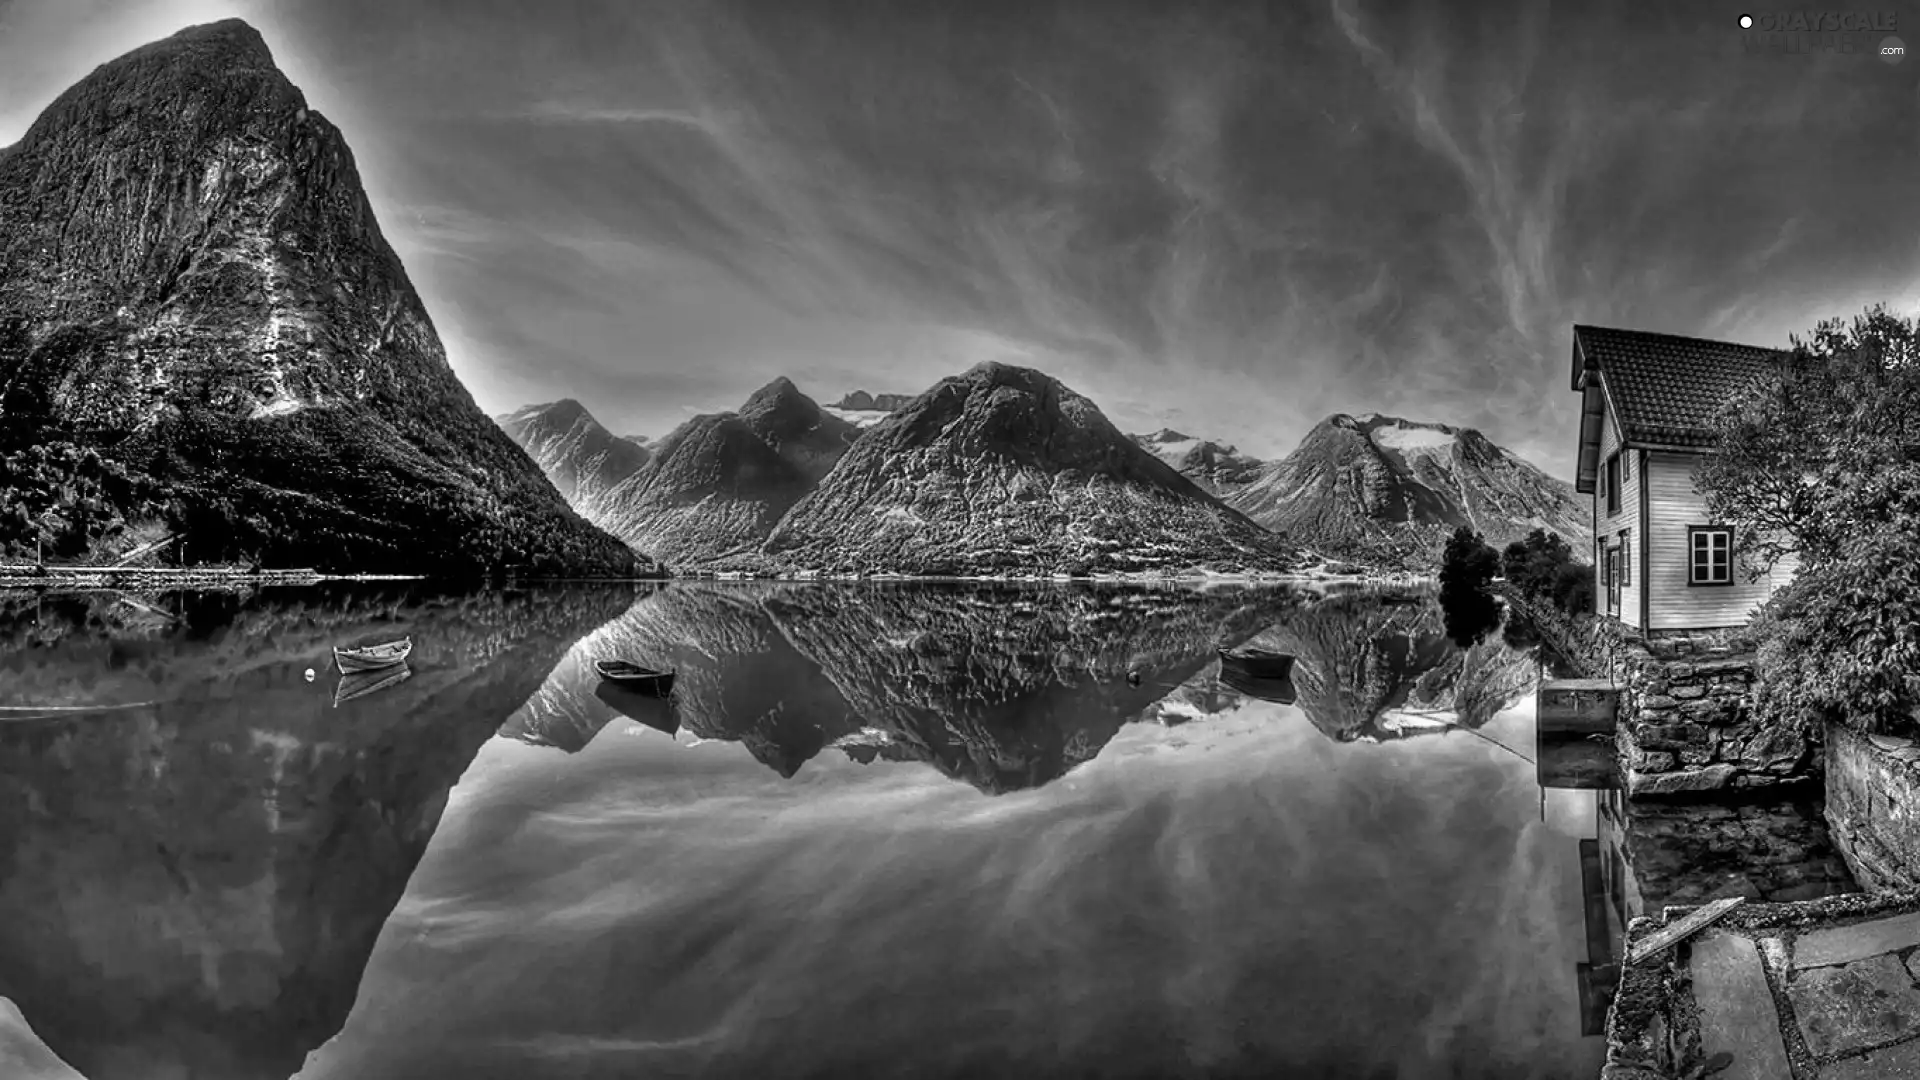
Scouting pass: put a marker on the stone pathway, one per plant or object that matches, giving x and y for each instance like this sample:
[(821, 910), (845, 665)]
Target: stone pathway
[(1835, 1003)]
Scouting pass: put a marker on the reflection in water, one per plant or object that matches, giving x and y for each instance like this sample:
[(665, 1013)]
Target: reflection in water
[(1647, 855), (192, 888), (797, 886), (1006, 687)]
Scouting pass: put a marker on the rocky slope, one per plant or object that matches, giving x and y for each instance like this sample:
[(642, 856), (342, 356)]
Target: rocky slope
[(710, 493), (1216, 468), (862, 401), (1004, 469), (805, 436), (583, 459), (1356, 482), (193, 286), (713, 488), (194, 887)]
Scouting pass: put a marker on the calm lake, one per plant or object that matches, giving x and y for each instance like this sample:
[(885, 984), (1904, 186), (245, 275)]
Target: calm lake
[(877, 830)]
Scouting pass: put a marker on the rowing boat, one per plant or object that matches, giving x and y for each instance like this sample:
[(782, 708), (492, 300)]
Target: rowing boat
[(372, 657), (634, 677), (1257, 663)]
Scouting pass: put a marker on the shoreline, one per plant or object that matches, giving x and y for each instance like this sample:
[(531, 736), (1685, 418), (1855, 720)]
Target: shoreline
[(66, 577), (28, 576)]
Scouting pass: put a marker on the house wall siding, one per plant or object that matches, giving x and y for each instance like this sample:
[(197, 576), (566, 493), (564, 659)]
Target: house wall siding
[(1608, 525), (1673, 505)]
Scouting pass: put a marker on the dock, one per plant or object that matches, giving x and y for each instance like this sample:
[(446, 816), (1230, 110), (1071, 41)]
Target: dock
[(1578, 707)]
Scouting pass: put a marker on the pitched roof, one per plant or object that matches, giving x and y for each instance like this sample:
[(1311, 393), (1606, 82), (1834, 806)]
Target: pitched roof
[(1665, 388)]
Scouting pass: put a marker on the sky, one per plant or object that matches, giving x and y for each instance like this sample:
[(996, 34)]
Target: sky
[(1232, 219)]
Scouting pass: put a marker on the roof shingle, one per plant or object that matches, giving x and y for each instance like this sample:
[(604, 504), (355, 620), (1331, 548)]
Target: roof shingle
[(1666, 388)]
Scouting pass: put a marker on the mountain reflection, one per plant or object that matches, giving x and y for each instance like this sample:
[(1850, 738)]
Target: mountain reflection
[(1009, 687), (193, 887), (1003, 686)]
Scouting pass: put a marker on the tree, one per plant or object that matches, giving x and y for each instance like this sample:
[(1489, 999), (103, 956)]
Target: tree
[(1467, 568), (1821, 459), (1825, 447)]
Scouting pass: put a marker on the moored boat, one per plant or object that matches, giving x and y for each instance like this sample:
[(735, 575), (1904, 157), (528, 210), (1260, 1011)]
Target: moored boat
[(632, 676), (1257, 663), (372, 657), (1279, 691)]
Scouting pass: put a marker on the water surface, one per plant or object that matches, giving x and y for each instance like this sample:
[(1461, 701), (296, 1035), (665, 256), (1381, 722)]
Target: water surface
[(886, 830)]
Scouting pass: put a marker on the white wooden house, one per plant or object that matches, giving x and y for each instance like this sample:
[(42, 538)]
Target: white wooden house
[(1661, 564)]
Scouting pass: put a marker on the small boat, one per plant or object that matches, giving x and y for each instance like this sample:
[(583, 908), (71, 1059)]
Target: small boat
[(634, 677), (361, 683), (1279, 691), (1257, 663), (372, 657)]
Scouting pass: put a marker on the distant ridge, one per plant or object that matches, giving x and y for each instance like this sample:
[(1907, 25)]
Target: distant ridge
[(1356, 484)]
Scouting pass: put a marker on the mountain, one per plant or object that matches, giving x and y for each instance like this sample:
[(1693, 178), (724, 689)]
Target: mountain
[(1216, 468), (712, 491), (1004, 469), (1356, 483), (583, 459), (863, 410), (203, 329), (796, 428), (862, 401)]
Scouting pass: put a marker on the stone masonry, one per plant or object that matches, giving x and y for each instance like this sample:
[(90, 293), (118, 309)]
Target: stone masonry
[(1687, 723)]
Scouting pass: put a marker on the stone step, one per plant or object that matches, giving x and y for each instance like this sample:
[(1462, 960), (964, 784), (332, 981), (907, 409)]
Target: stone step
[(1578, 706)]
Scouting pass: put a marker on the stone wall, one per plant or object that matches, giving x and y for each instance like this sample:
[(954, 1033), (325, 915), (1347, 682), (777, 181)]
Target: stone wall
[(1873, 806), (1687, 722)]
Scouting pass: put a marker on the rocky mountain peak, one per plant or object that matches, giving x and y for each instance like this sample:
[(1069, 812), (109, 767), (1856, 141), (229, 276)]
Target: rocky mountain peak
[(795, 427), (861, 401), (193, 283), (1361, 485)]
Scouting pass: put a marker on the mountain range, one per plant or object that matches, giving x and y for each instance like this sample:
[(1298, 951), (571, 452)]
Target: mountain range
[(203, 330), (999, 470), (1003, 469)]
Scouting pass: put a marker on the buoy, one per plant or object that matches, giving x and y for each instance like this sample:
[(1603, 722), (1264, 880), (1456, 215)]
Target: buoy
[(309, 674)]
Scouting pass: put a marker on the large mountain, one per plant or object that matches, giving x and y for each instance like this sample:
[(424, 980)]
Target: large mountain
[(1356, 482), (583, 459), (196, 301), (1004, 469), (714, 487), (1217, 468)]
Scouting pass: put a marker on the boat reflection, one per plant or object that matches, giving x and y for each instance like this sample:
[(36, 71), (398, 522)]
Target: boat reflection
[(359, 684), (644, 707)]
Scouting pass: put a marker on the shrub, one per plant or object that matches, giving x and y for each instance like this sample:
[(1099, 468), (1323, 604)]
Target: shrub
[(1842, 640)]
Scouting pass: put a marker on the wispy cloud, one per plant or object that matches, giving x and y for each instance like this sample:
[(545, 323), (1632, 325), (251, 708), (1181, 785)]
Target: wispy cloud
[(1240, 220)]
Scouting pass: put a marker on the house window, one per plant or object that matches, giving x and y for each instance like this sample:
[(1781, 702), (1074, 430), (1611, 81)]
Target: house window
[(1711, 555), (1613, 484), (1626, 559)]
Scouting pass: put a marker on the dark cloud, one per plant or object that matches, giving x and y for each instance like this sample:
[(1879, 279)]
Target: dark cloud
[(1239, 217)]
